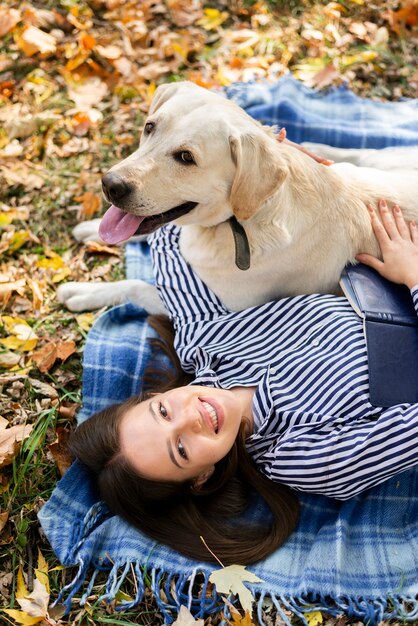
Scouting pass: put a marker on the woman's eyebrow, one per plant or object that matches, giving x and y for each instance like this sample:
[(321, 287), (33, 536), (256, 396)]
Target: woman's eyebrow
[(169, 447)]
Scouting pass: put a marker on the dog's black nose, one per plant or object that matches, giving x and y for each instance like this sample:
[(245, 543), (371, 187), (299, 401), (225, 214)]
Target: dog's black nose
[(114, 187)]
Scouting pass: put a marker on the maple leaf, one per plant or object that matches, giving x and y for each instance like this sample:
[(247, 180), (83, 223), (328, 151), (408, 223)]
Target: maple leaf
[(230, 580), (10, 439), (34, 605)]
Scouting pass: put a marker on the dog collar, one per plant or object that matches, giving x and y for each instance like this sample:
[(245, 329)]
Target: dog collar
[(242, 247)]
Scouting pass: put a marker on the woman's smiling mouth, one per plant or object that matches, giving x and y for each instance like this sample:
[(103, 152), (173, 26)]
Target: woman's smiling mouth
[(212, 415)]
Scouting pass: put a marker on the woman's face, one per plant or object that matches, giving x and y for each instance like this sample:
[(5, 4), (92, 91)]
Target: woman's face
[(180, 434)]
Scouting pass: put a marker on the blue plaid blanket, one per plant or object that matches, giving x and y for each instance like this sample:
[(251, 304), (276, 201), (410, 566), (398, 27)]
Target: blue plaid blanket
[(360, 557)]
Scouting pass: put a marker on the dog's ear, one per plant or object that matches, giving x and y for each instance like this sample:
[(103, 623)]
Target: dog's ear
[(260, 171), (165, 92)]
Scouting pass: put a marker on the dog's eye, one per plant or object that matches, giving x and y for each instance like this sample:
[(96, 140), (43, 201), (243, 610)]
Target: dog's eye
[(185, 157), (149, 127)]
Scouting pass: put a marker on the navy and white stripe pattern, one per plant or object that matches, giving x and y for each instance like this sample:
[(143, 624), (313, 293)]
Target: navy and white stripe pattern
[(315, 428)]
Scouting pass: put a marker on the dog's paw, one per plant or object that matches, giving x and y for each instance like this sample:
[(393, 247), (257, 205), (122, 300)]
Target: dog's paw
[(87, 231), (83, 296)]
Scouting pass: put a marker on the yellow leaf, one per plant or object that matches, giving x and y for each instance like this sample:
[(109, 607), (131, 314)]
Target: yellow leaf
[(230, 580), (22, 336), (35, 604), (22, 618), (20, 237), (85, 320), (314, 618), (59, 276), (362, 57), (212, 19), (41, 572), (5, 219), (21, 590), (53, 263)]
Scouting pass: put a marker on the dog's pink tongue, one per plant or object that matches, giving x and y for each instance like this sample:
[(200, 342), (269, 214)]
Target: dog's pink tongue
[(118, 225)]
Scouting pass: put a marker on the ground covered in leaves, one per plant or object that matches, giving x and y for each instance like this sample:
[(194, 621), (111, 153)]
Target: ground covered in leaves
[(76, 80)]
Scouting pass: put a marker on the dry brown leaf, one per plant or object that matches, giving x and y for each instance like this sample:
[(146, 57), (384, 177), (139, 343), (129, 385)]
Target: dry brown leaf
[(68, 409), (97, 248), (91, 205), (45, 357), (33, 40), (3, 520), (406, 15), (184, 12), (10, 440), (325, 77), (110, 52), (8, 20), (89, 93), (43, 388), (60, 451), (239, 620)]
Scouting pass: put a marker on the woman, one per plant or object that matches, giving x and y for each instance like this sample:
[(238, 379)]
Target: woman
[(279, 397)]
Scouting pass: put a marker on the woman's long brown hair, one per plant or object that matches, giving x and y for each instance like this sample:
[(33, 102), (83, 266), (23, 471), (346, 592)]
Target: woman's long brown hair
[(172, 513)]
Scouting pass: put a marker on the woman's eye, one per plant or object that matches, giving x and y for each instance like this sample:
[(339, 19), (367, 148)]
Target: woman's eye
[(185, 157), (182, 451), (162, 410)]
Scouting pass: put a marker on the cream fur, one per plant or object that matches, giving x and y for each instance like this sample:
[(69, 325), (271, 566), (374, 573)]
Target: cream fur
[(304, 221)]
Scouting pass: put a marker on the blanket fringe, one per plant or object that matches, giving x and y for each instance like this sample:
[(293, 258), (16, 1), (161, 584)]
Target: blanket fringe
[(191, 590)]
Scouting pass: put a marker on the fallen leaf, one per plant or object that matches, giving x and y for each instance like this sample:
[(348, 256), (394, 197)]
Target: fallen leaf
[(91, 204), (89, 93), (239, 620), (60, 451), (230, 580), (184, 12), (45, 357), (8, 19), (33, 40), (10, 439), (185, 618), (96, 247), (21, 335), (43, 388), (314, 618), (3, 520), (85, 320), (406, 15), (212, 19), (9, 359), (34, 605)]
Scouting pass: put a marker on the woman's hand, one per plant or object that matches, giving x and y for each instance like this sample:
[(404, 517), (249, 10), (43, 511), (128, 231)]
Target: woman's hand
[(281, 137), (398, 243)]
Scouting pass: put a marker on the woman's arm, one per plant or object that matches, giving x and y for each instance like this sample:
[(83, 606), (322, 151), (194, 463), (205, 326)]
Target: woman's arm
[(342, 458), (398, 243)]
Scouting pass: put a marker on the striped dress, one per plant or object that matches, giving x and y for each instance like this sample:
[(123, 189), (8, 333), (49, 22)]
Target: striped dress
[(314, 427)]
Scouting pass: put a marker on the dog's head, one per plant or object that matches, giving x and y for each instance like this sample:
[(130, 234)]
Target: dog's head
[(201, 159)]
